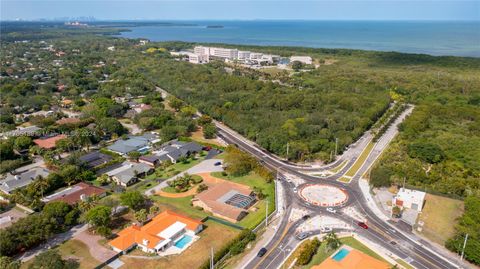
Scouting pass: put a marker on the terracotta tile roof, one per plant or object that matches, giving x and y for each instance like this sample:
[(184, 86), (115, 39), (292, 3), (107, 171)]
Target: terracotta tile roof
[(212, 195), (68, 121), (354, 260), (136, 235), (49, 143), (77, 190)]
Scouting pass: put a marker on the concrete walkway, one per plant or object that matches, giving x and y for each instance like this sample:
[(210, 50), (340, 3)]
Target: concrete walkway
[(206, 166)]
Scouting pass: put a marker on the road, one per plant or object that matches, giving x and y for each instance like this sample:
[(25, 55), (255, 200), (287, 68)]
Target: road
[(403, 244)]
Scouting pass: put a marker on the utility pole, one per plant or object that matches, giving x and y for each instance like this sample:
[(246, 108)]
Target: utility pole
[(336, 147), (212, 263), (266, 215), (288, 146), (464, 245)]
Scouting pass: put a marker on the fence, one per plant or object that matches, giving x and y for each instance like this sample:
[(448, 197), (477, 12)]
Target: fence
[(103, 264), (224, 222)]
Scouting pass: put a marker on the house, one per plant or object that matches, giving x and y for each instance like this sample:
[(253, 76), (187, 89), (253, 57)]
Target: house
[(349, 258), (226, 200), (410, 199), (175, 150), (302, 59), (152, 160), (166, 230), (48, 142), (27, 131), (76, 193), (128, 173), (95, 159), (66, 121), (66, 103), (133, 143), (16, 180)]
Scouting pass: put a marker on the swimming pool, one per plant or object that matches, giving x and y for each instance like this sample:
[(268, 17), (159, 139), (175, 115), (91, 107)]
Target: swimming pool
[(341, 254), (183, 241)]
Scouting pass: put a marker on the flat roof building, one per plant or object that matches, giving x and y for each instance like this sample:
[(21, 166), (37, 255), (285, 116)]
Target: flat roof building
[(302, 59), (411, 199)]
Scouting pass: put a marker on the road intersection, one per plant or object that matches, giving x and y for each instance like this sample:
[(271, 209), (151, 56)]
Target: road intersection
[(402, 244)]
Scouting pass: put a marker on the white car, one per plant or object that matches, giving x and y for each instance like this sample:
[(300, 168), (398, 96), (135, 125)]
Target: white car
[(295, 190), (326, 229), (331, 210)]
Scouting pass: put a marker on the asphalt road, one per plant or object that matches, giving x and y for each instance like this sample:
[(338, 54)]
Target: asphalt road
[(403, 244)]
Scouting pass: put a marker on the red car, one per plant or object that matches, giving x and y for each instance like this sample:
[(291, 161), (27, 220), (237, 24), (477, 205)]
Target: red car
[(363, 225), (207, 148)]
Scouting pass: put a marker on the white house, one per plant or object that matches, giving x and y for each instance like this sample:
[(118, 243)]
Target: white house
[(410, 199)]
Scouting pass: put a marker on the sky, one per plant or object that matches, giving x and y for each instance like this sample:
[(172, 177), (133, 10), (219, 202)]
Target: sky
[(243, 9)]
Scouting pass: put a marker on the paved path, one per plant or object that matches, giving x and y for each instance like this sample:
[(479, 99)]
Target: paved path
[(206, 166), (99, 252)]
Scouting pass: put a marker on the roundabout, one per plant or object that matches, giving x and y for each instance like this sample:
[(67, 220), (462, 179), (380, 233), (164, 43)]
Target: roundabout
[(323, 195)]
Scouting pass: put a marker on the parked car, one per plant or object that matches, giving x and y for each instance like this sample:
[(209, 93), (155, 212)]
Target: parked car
[(363, 225), (326, 229), (217, 163), (261, 252), (302, 236), (306, 217), (295, 190), (331, 210), (207, 148)]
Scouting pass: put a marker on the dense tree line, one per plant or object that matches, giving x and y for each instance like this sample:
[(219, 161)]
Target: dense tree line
[(35, 229)]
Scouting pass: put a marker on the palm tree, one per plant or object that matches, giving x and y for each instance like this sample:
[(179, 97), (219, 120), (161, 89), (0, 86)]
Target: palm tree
[(42, 184)]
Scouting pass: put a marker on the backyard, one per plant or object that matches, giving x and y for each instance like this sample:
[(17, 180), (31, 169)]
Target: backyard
[(192, 257), (438, 216), (253, 180), (76, 250)]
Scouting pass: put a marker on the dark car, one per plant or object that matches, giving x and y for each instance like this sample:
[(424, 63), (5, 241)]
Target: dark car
[(261, 252), (306, 217), (363, 225), (207, 148), (217, 163), (302, 236)]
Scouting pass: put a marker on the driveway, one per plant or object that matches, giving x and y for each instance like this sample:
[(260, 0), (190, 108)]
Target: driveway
[(99, 252), (206, 166)]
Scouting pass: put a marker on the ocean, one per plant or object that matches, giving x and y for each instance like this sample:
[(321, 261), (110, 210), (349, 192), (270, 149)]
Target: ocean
[(429, 37)]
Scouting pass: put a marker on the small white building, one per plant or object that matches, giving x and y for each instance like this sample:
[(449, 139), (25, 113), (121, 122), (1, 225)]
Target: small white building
[(302, 59), (410, 199), (112, 48), (197, 58)]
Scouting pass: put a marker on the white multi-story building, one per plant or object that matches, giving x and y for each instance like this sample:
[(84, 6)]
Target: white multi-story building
[(224, 53), (243, 55), (197, 58), (302, 59), (216, 52), (201, 50), (270, 58), (256, 55)]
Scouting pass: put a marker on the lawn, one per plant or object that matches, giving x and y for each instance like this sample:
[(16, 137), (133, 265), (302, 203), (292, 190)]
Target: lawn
[(215, 235), (74, 249), (175, 169), (198, 136), (354, 243), (361, 159), (254, 180), (439, 215), (181, 205)]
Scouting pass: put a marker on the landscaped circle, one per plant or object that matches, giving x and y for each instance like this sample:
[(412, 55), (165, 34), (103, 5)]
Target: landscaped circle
[(323, 195)]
